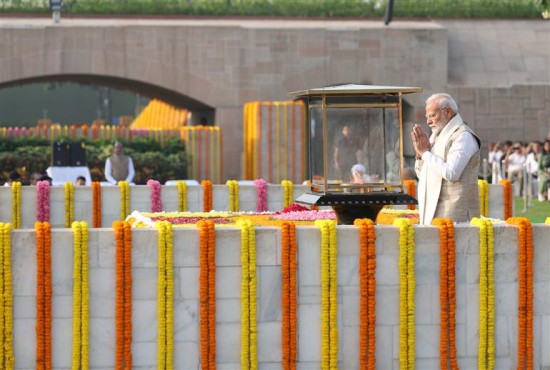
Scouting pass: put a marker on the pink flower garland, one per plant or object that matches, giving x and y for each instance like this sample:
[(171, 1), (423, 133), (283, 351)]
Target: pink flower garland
[(156, 204), (261, 195), (43, 201)]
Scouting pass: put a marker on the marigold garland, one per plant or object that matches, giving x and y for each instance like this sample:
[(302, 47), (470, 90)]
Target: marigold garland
[(507, 185), (288, 190), (447, 293), (206, 195), (7, 356), (547, 221), (43, 201), (410, 185), (16, 204), (329, 289), (165, 292), (69, 203), (233, 188), (288, 295), (123, 314), (525, 294), (182, 196), (249, 351), (261, 195), (367, 283), (156, 202), (483, 186), (207, 294), (81, 296), (96, 204), (43, 296), (124, 199), (486, 351), (406, 294)]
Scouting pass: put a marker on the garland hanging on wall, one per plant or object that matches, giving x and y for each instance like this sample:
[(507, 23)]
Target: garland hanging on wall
[(155, 188), (123, 314), (525, 291), (124, 199), (249, 350), (206, 195), (96, 204), (447, 293), (165, 293), (261, 195), (182, 196), (207, 294), (407, 282), (43, 296), (367, 286), (16, 204), (486, 349), (329, 292), (233, 190), (81, 296), (288, 295), (7, 356), (483, 186), (43, 201), (69, 203), (288, 193), (507, 185)]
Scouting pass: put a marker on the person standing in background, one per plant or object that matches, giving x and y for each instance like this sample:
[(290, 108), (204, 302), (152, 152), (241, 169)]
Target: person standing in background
[(447, 163), (119, 167)]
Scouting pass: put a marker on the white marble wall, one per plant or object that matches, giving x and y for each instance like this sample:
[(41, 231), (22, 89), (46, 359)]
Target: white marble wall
[(140, 199), (228, 278)]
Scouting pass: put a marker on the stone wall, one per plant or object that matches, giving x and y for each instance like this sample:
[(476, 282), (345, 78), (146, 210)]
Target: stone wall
[(228, 287)]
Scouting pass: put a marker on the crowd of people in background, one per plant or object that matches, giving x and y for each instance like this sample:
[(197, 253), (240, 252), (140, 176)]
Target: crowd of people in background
[(527, 165)]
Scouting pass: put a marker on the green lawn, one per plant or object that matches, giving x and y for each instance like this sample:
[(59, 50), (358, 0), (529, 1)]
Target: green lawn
[(537, 212)]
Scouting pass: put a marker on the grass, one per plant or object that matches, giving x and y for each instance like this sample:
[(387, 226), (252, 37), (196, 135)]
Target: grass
[(537, 212)]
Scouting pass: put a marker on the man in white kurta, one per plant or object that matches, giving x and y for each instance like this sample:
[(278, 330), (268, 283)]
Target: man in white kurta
[(447, 163)]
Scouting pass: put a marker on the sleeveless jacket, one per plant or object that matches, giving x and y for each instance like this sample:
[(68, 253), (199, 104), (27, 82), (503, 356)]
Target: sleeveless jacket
[(119, 167)]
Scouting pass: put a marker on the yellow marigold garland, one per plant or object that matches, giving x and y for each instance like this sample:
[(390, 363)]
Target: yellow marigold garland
[(447, 293), (507, 185), (483, 186), (406, 294), (43, 296), (233, 188), (81, 295), (123, 314), (486, 351), (329, 290), (249, 351), (7, 357), (525, 294), (367, 283), (96, 206), (547, 222), (206, 195), (182, 196), (288, 295), (165, 292), (288, 190), (207, 294), (16, 204), (69, 203), (124, 199)]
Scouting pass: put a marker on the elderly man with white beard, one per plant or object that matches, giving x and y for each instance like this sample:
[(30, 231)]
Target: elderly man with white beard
[(447, 163)]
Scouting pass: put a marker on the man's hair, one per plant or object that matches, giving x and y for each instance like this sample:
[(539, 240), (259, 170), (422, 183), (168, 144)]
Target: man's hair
[(14, 176), (444, 100)]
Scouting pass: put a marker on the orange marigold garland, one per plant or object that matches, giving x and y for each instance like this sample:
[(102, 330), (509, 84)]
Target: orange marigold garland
[(410, 185), (367, 282), (206, 195), (288, 295), (123, 315), (207, 294), (507, 185), (43, 296), (96, 204), (525, 295), (447, 293)]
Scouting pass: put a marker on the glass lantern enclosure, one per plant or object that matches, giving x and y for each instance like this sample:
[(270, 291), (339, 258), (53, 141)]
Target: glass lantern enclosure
[(355, 148)]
